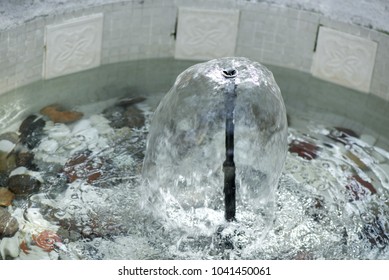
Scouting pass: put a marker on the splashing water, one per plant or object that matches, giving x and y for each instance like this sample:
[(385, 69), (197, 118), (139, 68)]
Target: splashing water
[(331, 201), (186, 148)]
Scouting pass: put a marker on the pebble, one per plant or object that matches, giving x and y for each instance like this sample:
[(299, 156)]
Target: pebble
[(25, 159), (83, 166), (359, 188), (304, 149), (31, 131), (58, 131), (58, 114), (6, 146), (6, 197), (23, 184), (10, 136), (124, 114), (8, 224), (7, 162)]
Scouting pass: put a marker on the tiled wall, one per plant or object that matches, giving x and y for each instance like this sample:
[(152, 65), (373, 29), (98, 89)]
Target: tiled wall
[(137, 29)]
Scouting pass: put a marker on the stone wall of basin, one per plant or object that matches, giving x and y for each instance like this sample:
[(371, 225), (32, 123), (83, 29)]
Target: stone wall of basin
[(51, 46)]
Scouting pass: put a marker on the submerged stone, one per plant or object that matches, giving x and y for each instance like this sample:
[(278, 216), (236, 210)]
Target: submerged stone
[(124, 114), (8, 224), (23, 184), (31, 131), (6, 197), (58, 114)]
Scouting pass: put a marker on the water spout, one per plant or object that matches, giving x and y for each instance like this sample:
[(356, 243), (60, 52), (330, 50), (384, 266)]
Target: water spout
[(226, 110)]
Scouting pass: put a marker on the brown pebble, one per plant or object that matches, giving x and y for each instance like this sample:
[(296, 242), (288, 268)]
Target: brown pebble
[(59, 115), (8, 224), (6, 197)]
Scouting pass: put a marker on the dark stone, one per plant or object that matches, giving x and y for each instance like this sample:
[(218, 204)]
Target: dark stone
[(26, 159), (125, 102), (23, 184), (31, 131), (125, 114), (8, 224)]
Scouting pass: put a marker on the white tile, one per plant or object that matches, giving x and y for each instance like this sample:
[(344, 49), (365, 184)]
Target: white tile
[(206, 34), (344, 59), (73, 46)]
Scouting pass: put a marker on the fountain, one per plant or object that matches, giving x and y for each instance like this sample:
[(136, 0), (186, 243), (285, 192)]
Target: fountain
[(226, 110)]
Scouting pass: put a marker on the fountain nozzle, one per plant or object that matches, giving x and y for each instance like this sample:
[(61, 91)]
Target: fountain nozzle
[(229, 164)]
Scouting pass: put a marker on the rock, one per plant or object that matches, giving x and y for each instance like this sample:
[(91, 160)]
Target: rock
[(25, 158), (9, 247), (7, 162), (31, 131), (359, 188), (340, 134), (304, 149), (23, 184), (83, 166), (124, 114), (125, 102), (8, 224), (356, 160), (134, 117), (6, 197), (10, 136), (46, 240), (59, 115), (6, 146)]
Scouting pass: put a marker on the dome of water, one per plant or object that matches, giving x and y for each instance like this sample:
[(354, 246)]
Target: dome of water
[(186, 146)]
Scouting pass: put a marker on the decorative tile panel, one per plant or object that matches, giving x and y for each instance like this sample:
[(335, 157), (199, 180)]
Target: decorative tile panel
[(206, 34), (344, 59), (73, 46)]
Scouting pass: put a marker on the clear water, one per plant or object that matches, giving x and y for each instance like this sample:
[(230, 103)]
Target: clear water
[(331, 201)]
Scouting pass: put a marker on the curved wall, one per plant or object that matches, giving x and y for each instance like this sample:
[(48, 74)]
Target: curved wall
[(132, 30)]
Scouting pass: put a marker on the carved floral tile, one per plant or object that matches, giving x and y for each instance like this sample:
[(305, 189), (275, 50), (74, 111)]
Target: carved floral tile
[(73, 46), (344, 59), (206, 34)]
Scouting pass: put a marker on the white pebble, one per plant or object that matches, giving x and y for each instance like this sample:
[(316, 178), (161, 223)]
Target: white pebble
[(6, 146)]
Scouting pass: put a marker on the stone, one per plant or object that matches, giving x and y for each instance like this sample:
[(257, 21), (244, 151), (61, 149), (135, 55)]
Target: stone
[(125, 102), (10, 136), (58, 114), (7, 162), (46, 240), (23, 184), (8, 224), (6, 197), (120, 117), (83, 166), (31, 131), (304, 149), (25, 158), (341, 134), (359, 188)]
